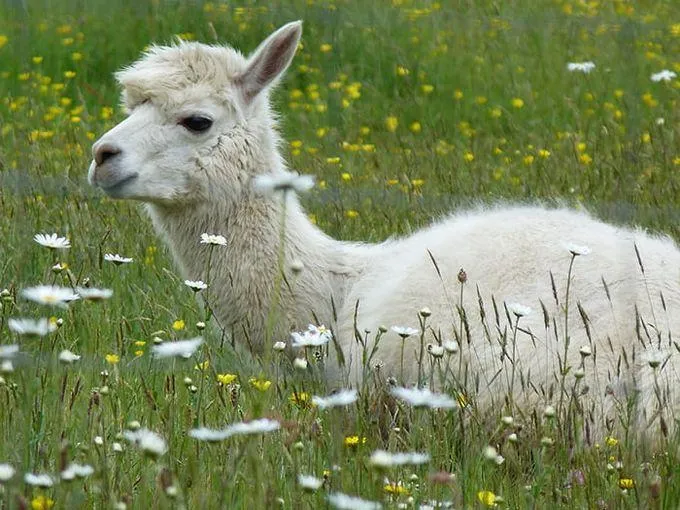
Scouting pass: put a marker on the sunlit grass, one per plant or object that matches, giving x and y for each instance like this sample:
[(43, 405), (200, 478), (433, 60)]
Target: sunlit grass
[(403, 111)]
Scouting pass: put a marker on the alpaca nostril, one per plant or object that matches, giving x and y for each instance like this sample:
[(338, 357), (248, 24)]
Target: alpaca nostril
[(105, 152)]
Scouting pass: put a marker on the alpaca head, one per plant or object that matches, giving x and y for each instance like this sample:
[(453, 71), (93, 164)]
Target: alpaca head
[(198, 121)]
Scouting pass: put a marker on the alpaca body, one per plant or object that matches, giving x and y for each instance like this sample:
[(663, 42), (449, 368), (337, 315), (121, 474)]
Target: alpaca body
[(200, 132), (509, 254)]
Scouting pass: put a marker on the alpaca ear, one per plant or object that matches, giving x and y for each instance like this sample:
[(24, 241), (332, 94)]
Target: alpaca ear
[(270, 59)]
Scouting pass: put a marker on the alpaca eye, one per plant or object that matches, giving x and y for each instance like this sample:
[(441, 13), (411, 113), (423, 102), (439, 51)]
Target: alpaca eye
[(196, 123)]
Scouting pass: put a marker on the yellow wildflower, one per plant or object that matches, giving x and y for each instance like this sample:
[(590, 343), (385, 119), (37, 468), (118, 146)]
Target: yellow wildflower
[(427, 88), (496, 112), (260, 384), (626, 483), (585, 159), (202, 366), (321, 132), (69, 74), (517, 103), (226, 379), (178, 325), (611, 441), (391, 123), (402, 71), (528, 159), (646, 138), (325, 48), (301, 399), (351, 214), (458, 94), (37, 60), (346, 176), (333, 160), (76, 56), (139, 353), (42, 503), (544, 153), (396, 488), (469, 157), (353, 441), (486, 498), (3, 40), (112, 358), (415, 127)]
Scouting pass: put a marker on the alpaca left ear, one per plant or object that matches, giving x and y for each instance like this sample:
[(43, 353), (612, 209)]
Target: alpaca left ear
[(270, 60)]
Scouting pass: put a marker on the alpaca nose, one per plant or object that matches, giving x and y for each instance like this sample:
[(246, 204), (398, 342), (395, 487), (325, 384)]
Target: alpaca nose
[(105, 151)]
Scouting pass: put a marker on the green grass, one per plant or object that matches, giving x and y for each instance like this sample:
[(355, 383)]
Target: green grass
[(586, 140)]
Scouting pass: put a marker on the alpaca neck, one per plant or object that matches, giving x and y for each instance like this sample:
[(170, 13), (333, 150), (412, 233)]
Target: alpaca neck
[(244, 275)]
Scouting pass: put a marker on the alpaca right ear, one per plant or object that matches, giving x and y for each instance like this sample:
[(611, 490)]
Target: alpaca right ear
[(270, 60)]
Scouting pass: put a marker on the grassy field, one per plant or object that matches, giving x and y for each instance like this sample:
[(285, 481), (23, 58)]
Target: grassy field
[(404, 110)]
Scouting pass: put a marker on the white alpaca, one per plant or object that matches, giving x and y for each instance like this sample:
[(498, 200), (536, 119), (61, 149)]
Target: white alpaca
[(200, 130)]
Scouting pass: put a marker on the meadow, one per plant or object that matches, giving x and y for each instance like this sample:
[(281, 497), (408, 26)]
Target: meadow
[(403, 110)]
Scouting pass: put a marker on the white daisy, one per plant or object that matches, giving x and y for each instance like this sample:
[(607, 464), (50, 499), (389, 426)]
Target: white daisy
[(92, 294), (313, 337), (76, 470), (50, 295), (31, 327), (346, 502), (654, 358), (435, 350), (117, 259), (404, 332), (451, 346), (279, 346), (300, 363), (52, 241), (285, 181), (260, 426), (42, 480), (6, 472), (195, 285), (180, 348), (9, 351), (214, 239), (384, 459), (67, 357), (209, 435), (665, 75), (577, 249), (341, 398), (424, 398), (583, 67), (518, 309), (309, 482), (147, 441)]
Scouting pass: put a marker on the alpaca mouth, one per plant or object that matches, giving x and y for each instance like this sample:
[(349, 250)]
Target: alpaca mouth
[(115, 190)]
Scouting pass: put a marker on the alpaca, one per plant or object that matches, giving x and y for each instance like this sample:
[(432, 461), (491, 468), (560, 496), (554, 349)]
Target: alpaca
[(200, 130)]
